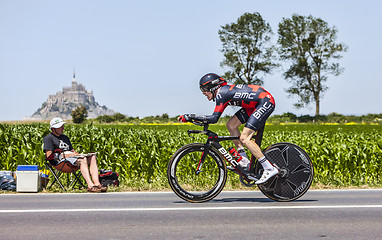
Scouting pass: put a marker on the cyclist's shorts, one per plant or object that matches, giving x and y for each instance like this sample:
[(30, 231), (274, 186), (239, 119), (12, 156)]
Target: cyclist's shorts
[(256, 118)]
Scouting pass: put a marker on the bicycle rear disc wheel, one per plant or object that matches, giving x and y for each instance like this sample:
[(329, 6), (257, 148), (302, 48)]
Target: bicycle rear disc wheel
[(296, 173), (190, 184)]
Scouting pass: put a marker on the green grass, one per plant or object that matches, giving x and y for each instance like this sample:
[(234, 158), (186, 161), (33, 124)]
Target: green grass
[(343, 155)]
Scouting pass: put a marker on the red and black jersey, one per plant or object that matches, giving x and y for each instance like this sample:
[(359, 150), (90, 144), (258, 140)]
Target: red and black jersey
[(246, 96)]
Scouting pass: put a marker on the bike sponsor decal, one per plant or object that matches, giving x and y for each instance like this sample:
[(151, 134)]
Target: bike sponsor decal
[(244, 95), (300, 189), (173, 165), (263, 109), (215, 81), (303, 157), (228, 156), (181, 190)]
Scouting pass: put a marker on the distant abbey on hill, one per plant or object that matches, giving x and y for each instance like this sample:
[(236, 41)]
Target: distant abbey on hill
[(64, 102)]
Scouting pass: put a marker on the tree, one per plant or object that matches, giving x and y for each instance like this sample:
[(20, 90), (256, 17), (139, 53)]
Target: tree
[(119, 117), (247, 49), (309, 44), (105, 118), (79, 114)]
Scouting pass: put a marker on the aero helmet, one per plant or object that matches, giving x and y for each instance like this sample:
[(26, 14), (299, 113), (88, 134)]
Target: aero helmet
[(210, 82)]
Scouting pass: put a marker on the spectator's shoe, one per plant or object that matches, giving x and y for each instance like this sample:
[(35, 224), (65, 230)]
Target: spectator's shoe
[(94, 189), (267, 174), (102, 188)]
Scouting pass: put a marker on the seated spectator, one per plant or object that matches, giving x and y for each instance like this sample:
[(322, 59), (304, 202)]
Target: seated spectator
[(88, 165)]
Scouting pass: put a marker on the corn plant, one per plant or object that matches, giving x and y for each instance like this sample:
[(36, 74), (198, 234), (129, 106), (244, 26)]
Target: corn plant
[(342, 155)]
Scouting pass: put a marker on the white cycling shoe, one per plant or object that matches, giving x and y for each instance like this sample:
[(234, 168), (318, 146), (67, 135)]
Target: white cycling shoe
[(267, 174)]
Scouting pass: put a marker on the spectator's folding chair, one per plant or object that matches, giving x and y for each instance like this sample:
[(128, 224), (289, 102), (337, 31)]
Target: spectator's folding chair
[(58, 168)]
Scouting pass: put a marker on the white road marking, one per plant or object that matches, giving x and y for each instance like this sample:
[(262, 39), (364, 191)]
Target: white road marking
[(183, 209)]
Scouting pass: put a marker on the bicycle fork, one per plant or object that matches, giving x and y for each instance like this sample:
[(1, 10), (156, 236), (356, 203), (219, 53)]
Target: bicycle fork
[(201, 161)]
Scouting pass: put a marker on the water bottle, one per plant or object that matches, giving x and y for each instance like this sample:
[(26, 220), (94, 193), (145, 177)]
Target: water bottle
[(235, 154)]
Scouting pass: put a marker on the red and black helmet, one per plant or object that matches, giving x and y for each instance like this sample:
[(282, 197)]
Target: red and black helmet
[(210, 82)]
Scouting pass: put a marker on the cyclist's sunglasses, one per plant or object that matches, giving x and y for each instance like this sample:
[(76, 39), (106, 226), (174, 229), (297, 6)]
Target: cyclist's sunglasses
[(204, 88)]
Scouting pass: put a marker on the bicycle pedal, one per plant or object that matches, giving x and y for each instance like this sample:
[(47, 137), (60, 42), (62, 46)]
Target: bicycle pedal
[(252, 178)]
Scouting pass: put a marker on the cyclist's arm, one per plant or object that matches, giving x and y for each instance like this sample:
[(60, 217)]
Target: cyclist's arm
[(208, 118), (219, 109)]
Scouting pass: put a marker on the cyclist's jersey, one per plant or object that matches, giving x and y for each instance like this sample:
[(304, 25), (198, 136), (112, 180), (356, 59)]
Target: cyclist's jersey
[(249, 97)]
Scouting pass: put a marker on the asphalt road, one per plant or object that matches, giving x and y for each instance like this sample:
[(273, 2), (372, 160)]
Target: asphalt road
[(338, 214)]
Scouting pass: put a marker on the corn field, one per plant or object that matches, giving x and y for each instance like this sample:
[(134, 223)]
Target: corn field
[(342, 155)]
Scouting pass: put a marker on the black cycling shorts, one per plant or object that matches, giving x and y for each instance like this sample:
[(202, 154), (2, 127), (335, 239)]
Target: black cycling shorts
[(255, 118)]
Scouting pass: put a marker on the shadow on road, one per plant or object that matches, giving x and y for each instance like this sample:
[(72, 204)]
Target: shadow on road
[(225, 200), (258, 200)]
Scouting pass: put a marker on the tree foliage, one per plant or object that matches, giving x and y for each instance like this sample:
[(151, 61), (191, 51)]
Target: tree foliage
[(309, 44), (247, 49), (118, 117), (79, 114)]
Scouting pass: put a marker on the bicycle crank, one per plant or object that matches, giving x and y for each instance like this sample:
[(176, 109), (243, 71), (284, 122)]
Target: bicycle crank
[(283, 172), (250, 183)]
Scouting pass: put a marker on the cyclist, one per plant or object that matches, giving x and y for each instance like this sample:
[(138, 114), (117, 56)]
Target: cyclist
[(256, 106)]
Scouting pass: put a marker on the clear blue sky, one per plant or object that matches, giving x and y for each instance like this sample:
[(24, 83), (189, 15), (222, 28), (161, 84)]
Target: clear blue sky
[(145, 58)]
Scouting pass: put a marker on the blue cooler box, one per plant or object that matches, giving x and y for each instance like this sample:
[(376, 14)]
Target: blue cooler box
[(27, 178)]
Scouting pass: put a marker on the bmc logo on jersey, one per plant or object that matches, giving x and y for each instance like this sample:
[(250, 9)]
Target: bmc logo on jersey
[(259, 112), (244, 95)]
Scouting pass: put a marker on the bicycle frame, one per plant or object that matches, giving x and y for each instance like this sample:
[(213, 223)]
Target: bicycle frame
[(214, 141), (294, 165)]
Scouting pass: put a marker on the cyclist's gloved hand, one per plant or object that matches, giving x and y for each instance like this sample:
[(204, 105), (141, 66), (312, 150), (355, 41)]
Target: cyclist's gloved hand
[(184, 118)]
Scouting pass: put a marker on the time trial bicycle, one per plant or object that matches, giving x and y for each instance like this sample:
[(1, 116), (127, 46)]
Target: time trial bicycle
[(197, 172)]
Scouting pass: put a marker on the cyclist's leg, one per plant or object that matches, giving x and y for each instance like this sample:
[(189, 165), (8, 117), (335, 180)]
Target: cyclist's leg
[(240, 118), (233, 125), (269, 169), (259, 136), (255, 122), (246, 139)]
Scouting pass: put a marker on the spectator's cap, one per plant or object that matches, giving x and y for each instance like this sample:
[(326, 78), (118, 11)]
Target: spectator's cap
[(56, 123)]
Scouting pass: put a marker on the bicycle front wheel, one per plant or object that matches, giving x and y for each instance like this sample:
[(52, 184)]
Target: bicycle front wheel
[(194, 182), (296, 172)]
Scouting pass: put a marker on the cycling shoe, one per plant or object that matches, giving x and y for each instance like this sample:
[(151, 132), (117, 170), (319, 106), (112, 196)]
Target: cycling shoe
[(267, 174)]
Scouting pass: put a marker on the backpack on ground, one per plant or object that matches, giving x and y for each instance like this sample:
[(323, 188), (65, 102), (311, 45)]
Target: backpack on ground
[(108, 178)]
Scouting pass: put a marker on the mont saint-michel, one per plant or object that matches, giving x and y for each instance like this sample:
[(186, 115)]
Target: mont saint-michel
[(64, 102)]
